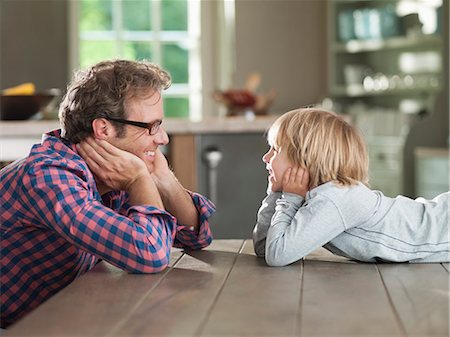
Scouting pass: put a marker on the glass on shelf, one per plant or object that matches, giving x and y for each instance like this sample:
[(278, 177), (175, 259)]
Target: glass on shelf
[(368, 23), (346, 25), (390, 22), (403, 19), (420, 62)]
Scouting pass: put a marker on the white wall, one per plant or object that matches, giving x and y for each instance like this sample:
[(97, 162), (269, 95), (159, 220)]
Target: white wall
[(33, 43), (284, 40)]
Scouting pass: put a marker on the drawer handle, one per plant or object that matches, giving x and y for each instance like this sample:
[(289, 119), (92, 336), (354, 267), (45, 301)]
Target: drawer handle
[(212, 157)]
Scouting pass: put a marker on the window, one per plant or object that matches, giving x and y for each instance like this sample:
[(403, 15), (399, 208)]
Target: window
[(166, 32)]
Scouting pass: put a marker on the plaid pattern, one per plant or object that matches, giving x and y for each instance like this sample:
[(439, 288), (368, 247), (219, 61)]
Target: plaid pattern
[(55, 226)]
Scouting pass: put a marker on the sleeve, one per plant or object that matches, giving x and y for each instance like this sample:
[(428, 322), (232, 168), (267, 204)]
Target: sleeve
[(188, 238), (264, 216), (299, 227), (139, 241)]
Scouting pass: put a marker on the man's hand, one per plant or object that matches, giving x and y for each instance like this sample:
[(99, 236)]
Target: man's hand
[(296, 180), (115, 168), (120, 170), (175, 198), (160, 167)]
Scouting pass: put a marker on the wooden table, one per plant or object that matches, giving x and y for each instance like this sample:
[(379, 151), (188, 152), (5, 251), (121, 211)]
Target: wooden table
[(226, 290)]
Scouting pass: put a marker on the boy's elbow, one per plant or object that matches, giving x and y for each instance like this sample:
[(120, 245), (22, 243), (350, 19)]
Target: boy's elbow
[(281, 258), (274, 261), (275, 257), (260, 248)]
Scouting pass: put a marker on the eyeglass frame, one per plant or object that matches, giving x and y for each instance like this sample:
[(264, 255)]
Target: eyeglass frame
[(152, 127)]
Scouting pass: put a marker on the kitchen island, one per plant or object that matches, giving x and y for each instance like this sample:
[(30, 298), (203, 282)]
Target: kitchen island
[(17, 137), (217, 157), (235, 124)]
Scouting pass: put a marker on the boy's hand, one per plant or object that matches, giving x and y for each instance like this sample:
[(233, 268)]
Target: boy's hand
[(296, 180), (115, 168), (273, 186)]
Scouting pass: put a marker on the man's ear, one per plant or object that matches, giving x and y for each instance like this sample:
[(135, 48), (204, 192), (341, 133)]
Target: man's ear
[(102, 129)]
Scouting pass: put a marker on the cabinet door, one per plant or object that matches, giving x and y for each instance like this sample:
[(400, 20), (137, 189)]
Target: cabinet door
[(388, 182), (432, 175), (386, 164), (388, 158), (241, 180)]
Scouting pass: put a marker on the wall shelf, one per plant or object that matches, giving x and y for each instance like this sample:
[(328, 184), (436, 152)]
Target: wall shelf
[(359, 91), (393, 43), (377, 71)]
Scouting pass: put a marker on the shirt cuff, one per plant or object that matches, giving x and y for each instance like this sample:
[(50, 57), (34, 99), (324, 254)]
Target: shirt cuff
[(272, 197), (150, 210), (288, 200), (191, 238), (204, 206)]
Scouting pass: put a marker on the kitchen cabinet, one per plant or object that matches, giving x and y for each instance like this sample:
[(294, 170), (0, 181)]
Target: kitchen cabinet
[(385, 158), (231, 172), (385, 71), (228, 169), (432, 171)]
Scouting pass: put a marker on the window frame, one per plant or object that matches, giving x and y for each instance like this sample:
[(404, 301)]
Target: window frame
[(192, 37), (216, 59)]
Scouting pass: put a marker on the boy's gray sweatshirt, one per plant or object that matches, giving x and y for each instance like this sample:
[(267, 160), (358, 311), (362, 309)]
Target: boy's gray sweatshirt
[(354, 222)]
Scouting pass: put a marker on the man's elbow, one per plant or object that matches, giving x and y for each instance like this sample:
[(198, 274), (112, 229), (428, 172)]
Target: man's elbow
[(204, 243), (151, 265)]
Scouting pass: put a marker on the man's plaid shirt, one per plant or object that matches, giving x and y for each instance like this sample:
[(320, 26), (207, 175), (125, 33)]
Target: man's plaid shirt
[(55, 226)]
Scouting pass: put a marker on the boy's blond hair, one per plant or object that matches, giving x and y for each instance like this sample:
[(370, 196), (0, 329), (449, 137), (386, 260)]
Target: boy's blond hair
[(323, 143)]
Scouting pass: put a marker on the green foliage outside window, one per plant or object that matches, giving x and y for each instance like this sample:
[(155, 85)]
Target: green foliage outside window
[(138, 50), (176, 107), (136, 15), (95, 51), (176, 60), (174, 15), (95, 15)]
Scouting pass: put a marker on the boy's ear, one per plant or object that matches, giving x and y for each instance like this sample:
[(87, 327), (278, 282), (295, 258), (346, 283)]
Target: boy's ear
[(102, 129)]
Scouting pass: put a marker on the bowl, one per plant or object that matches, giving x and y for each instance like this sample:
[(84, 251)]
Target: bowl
[(21, 107)]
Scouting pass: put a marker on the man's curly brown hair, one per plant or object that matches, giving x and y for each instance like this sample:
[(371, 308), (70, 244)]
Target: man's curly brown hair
[(103, 90)]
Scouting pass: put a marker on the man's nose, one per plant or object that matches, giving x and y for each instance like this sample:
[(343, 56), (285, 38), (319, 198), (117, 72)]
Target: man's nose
[(161, 137)]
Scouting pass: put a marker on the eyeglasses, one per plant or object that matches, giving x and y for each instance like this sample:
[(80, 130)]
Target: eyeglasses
[(152, 127)]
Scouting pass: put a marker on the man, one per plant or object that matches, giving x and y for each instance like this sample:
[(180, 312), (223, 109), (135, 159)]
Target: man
[(98, 189)]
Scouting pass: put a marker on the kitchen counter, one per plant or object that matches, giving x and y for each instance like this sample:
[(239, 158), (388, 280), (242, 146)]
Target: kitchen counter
[(33, 128)]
